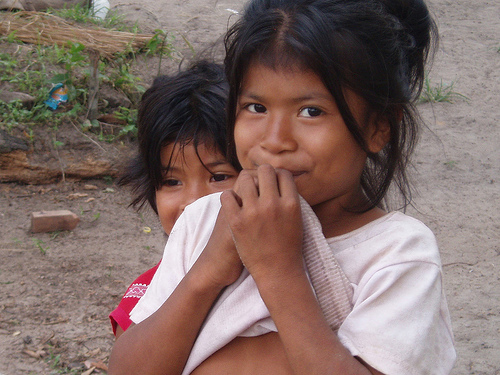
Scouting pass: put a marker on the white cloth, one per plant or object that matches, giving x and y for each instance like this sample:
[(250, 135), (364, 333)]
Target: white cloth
[(400, 322), (239, 310)]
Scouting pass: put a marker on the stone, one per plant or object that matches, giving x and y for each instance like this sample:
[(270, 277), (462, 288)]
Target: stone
[(11, 96)]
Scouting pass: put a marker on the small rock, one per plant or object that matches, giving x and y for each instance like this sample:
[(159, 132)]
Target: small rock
[(10, 96), (76, 366), (77, 195), (27, 340), (114, 98), (11, 5)]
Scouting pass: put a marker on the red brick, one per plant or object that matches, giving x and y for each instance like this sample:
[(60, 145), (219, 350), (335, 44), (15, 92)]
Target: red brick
[(51, 221)]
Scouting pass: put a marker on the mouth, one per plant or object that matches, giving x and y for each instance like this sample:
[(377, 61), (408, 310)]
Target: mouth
[(295, 173)]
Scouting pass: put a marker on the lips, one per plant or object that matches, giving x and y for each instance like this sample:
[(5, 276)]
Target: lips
[(298, 173), (294, 171)]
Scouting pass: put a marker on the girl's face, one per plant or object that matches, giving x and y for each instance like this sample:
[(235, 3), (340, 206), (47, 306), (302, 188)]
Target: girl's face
[(190, 177), (288, 118)]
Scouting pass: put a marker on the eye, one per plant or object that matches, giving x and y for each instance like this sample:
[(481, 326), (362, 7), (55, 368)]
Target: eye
[(256, 108), (220, 177), (170, 182), (310, 112)]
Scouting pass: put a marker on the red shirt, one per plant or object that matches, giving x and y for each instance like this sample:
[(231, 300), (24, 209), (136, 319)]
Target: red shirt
[(121, 315)]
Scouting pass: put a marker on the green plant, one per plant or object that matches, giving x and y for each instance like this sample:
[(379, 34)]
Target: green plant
[(29, 80), (40, 245), (30, 135), (56, 364), (17, 241), (162, 44), (450, 164), (129, 116), (438, 93), (83, 14), (14, 113), (78, 13), (7, 65), (108, 180), (121, 78), (55, 234)]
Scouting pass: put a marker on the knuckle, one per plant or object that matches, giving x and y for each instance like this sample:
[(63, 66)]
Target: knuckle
[(267, 168), (237, 225), (291, 205)]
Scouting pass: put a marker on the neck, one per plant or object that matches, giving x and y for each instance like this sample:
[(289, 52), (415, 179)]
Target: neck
[(336, 219)]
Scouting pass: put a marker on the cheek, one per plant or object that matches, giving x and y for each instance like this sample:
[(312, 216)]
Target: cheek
[(167, 212), (244, 140)]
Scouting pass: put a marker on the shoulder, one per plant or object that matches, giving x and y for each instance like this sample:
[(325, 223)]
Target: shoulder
[(394, 239), (400, 321), (397, 224), (408, 238)]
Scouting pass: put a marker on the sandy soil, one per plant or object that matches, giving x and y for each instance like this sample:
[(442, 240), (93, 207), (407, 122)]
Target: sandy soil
[(57, 289)]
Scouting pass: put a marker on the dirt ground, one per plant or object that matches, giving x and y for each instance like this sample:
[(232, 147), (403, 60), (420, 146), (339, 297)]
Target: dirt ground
[(57, 289)]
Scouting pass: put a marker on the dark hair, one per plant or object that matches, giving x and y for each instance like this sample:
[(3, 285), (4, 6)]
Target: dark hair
[(185, 108), (376, 48)]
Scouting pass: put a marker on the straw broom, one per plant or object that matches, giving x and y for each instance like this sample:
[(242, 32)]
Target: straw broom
[(47, 29)]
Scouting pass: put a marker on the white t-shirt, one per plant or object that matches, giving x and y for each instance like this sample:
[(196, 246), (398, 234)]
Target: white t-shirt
[(399, 323)]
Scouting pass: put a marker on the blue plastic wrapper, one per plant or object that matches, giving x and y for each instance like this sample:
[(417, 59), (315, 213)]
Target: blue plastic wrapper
[(58, 95)]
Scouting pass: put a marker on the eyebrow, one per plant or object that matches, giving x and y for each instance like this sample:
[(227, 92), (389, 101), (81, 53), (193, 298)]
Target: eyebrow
[(216, 163), (212, 164), (298, 99)]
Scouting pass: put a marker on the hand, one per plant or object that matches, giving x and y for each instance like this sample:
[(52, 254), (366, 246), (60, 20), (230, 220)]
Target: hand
[(264, 215)]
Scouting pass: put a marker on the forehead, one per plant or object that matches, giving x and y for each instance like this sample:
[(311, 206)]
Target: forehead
[(299, 82), (175, 156)]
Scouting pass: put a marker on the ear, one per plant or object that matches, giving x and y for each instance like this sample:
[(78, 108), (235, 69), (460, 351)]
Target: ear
[(378, 134)]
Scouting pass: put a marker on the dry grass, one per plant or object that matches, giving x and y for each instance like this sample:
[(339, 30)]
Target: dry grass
[(47, 29)]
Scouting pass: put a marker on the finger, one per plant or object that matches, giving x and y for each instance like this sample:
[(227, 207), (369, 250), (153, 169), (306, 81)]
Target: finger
[(268, 183), (246, 186), (231, 203), (286, 184), (222, 231), (250, 172)]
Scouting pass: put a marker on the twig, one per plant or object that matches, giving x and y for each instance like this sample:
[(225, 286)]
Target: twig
[(93, 86), (63, 174), (460, 264), (54, 323), (85, 135)]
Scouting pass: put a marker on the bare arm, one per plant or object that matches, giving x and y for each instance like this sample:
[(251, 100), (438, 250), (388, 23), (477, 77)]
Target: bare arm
[(119, 331), (311, 346), (161, 344), (266, 226)]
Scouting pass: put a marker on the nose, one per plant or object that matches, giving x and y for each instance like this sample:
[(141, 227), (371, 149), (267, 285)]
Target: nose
[(278, 135), (193, 192)]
